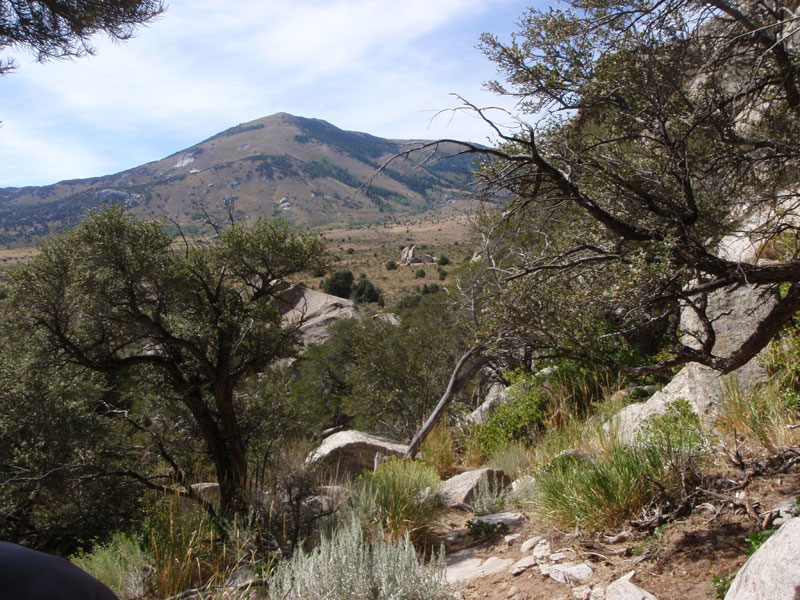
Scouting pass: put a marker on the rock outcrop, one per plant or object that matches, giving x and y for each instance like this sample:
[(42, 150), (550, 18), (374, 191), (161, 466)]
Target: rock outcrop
[(354, 451), (495, 396), (316, 311), (735, 313), (390, 318), (461, 489), (773, 571)]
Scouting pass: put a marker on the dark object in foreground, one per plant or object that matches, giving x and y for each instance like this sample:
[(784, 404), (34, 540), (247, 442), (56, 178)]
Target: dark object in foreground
[(26, 574)]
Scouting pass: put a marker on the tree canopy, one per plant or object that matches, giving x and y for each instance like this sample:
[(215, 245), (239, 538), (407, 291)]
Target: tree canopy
[(187, 326), (61, 29), (660, 136)]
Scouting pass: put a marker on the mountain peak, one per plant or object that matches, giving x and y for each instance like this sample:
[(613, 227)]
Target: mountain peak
[(305, 170)]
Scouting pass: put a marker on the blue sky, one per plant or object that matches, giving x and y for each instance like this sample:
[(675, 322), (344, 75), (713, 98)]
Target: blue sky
[(380, 66)]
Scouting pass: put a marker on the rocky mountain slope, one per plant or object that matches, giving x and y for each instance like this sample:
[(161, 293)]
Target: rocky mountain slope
[(306, 170)]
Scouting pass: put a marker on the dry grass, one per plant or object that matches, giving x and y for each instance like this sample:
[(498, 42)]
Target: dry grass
[(374, 245)]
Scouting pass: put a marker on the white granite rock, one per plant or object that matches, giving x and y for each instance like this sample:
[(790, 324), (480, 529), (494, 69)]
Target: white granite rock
[(571, 573), (522, 565), (623, 589), (773, 571), (529, 544)]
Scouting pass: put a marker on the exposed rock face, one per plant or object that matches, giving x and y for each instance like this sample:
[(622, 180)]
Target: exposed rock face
[(773, 571), (354, 451), (460, 489), (318, 311), (390, 318), (735, 313), (496, 396), (408, 256)]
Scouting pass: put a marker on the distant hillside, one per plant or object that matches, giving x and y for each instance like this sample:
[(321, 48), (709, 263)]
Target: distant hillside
[(306, 170)]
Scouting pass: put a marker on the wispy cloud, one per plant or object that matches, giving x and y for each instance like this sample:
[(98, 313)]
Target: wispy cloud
[(379, 66)]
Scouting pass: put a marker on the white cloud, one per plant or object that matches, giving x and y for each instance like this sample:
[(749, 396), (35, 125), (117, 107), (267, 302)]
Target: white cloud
[(26, 150), (373, 65)]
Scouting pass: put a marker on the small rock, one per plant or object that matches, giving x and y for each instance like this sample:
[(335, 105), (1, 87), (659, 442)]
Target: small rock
[(557, 557), (598, 593), (530, 543), (571, 573), (582, 592), (522, 565), (513, 591), (623, 589), (544, 569), (511, 538), (507, 518), (541, 552)]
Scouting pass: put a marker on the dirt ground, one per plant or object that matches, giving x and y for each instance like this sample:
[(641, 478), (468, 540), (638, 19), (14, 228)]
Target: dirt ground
[(677, 563)]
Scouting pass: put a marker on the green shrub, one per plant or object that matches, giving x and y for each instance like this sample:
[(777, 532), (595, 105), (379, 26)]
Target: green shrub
[(407, 303), (391, 265), (519, 419), (122, 564), (486, 531), (442, 274), (420, 274), (364, 291), (721, 584), (339, 284), (349, 566), (677, 433), (443, 260), (392, 498), (595, 495), (757, 539)]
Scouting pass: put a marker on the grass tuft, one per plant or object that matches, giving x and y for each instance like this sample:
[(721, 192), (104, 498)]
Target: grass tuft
[(395, 499)]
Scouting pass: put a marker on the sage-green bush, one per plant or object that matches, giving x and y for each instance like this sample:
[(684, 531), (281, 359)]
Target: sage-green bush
[(351, 566)]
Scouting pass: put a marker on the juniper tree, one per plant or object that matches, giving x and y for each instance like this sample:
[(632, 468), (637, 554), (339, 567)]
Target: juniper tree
[(63, 29), (653, 134), (186, 325)]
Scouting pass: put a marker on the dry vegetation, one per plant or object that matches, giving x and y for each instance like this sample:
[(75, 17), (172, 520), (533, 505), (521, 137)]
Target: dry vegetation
[(374, 245)]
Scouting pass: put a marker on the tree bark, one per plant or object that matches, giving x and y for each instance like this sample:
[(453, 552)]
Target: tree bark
[(457, 381)]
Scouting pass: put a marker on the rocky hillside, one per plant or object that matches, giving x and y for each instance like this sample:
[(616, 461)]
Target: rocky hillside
[(305, 170)]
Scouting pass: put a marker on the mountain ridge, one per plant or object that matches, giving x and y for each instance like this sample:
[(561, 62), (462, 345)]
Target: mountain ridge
[(306, 170)]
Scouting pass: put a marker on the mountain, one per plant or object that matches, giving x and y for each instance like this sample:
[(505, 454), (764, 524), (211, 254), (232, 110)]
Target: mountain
[(306, 170)]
